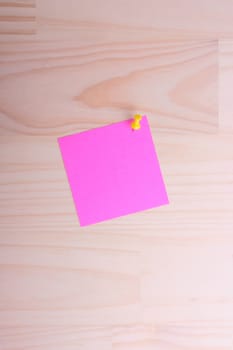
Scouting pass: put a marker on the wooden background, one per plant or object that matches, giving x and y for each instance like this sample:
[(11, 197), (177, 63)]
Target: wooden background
[(158, 280)]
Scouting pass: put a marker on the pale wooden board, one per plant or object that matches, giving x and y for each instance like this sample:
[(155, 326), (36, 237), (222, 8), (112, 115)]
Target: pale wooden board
[(148, 18), (225, 85), (161, 279), (69, 86), (17, 18)]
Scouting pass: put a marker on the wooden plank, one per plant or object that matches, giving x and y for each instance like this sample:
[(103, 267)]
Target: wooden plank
[(225, 85), (17, 18), (156, 19), (73, 86), (161, 279)]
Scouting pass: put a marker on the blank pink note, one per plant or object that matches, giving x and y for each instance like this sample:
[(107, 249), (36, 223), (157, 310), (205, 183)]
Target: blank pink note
[(113, 171)]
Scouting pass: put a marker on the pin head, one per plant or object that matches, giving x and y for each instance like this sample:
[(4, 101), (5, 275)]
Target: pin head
[(136, 122)]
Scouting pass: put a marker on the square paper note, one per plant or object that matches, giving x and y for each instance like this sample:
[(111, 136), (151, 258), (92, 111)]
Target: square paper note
[(113, 171)]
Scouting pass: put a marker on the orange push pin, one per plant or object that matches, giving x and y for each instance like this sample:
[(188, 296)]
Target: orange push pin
[(136, 122)]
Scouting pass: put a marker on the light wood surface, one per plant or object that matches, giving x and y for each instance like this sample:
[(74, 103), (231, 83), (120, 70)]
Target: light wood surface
[(157, 280)]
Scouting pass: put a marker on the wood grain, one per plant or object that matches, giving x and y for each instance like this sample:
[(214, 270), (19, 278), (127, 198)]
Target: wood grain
[(177, 82), (161, 279), (17, 18), (154, 19), (225, 84)]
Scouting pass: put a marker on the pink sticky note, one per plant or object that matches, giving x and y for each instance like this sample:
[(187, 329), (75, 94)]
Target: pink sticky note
[(113, 171)]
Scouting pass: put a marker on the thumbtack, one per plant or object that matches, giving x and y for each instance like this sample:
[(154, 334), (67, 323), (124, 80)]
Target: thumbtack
[(136, 122)]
